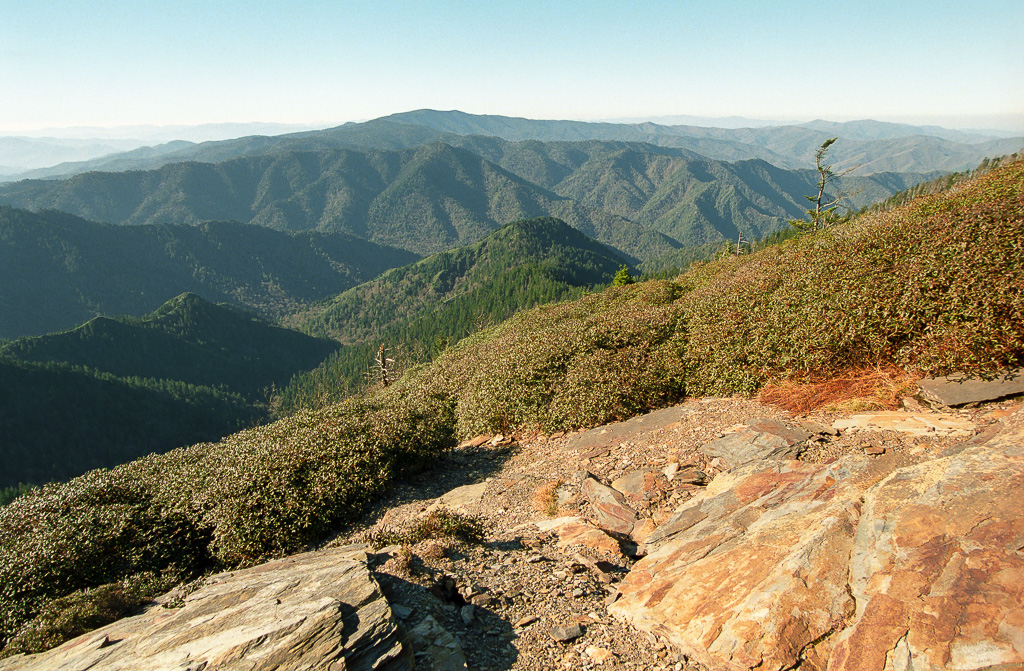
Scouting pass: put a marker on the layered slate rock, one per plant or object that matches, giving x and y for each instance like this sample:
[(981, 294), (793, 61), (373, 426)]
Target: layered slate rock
[(959, 389), (573, 531), (610, 509), (757, 439), (937, 570), (915, 424), (315, 611), (857, 564), (750, 572)]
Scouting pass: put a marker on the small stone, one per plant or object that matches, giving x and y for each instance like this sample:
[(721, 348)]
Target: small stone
[(671, 470), (577, 593), (598, 655), (874, 450), (527, 621), (400, 611), (565, 634), (482, 600), (467, 614), (533, 559)]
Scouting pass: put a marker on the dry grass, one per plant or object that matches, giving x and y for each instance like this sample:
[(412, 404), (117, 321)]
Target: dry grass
[(545, 499), (852, 390)]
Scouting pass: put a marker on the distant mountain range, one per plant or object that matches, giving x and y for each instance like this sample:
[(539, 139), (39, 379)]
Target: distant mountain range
[(58, 270), (641, 199), (869, 146)]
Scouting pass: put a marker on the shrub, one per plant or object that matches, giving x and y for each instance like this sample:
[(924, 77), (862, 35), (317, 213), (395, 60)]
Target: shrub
[(439, 523)]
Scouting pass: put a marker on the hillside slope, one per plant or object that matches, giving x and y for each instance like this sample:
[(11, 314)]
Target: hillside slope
[(58, 271), (932, 286), (113, 390), (417, 310), (186, 339)]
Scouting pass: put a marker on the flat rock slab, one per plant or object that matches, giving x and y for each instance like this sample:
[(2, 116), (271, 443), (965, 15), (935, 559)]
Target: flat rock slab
[(611, 435), (954, 390), (858, 564), (917, 424), (573, 531), (463, 497), (609, 506), (755, 440), (640, 485), (315, 611)]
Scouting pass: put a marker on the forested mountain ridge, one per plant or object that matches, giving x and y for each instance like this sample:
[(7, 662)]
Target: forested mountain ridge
[(640, 199), (416, 310), (113, 390), (58, 270), (425, 200), (869, 146), (186, 339)]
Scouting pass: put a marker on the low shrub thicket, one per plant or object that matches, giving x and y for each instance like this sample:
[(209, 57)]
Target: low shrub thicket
[(603, 357), (267, 491)]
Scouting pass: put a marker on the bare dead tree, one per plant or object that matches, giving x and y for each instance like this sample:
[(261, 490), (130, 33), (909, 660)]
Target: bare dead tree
[(384, 373)]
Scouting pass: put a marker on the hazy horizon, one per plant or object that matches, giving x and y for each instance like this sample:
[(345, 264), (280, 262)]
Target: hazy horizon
[(321, 64)]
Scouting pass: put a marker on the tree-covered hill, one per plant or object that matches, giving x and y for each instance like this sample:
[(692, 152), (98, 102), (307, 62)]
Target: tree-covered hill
[(112, 390), (187, 339), (58, 271), (60, 421), (417, 309)]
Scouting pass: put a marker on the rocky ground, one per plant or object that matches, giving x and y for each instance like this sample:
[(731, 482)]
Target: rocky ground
[(534, 594), (720, 533)]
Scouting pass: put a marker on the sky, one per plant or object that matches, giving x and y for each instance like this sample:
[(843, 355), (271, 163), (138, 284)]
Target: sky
[(116, 62)]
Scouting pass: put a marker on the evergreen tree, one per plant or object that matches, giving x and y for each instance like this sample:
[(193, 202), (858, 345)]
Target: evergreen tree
[(823, 214), (623, 277)]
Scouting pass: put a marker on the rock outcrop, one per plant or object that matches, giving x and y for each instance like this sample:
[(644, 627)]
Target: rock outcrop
[(859, 564), (316, 611)]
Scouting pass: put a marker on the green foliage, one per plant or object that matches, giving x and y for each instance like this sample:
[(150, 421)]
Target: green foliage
[(8, 494), (113, 390), (267, 491), (79, 612), (823, 214), (445, 297), (622, 277), (58, 271), (605, 356), (61, 420), (439, 523)]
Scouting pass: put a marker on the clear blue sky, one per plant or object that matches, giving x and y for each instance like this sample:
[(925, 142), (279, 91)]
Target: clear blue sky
[(120, 62)]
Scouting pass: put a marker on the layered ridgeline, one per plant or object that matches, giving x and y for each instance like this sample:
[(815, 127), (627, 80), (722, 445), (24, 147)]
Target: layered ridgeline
[(112, 390), (640, 199), (418, 310), (933, 286), (58, 271), (869, 146)]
